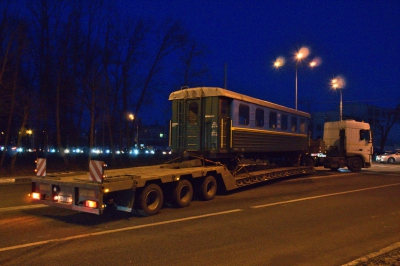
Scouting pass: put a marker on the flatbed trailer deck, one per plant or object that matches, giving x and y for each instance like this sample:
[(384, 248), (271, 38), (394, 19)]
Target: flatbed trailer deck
[(144, 188)]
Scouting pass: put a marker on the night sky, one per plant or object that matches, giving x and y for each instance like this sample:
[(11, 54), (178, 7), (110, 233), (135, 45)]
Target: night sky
[(358, 39)]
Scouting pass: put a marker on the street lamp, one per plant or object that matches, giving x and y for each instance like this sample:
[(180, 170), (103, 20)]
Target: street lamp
[(300, 55), (338, 83), (132, 118)]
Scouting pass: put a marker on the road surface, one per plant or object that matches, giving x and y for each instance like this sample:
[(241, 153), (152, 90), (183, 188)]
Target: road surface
[(329, 218)]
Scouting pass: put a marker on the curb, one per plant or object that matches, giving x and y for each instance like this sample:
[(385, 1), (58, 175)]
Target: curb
[(366, 258), (8, 180)]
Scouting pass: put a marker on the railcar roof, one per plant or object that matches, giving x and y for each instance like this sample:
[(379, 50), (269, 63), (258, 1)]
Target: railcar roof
[(190, 93)]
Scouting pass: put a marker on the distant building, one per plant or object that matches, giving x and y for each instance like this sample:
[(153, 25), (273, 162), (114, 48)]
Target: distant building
[(153, 135), (360, 112)]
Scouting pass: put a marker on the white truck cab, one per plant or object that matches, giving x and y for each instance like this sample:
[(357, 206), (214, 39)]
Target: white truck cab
[(348, 143)]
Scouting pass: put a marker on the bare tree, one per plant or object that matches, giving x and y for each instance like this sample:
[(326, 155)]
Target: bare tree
[(171, 36), (23, 101), (46, 22), (13, 44), (384, 127), (193, 70), (131, 46)]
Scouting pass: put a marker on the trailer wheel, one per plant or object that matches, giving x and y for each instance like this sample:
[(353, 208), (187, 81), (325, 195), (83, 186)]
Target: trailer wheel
[(308, 161), (355, 164), (150, 200), (208, 188), (182, 194)]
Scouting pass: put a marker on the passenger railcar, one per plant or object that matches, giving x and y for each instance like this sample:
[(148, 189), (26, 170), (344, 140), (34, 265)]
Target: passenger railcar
[(218, 123)]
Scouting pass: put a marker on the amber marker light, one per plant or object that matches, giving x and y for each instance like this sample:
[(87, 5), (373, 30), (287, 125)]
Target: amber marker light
[(36, 195)]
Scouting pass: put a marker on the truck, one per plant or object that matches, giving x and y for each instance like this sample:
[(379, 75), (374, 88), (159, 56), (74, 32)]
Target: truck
[(225, 141), (346, 143)]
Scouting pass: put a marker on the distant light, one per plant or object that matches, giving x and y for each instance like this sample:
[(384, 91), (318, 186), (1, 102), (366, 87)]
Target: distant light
[(66, 150), (161, 135), (96, 151), (279, 62), (315, 62)]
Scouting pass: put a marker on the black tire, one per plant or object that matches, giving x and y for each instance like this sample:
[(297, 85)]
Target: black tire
[(150, 200), (355, 164), (391, 160), (208, 188), (182, 195), (308, 161)]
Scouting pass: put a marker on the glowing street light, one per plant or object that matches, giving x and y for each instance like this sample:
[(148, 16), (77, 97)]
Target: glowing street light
[(338, 83), (300, 55)]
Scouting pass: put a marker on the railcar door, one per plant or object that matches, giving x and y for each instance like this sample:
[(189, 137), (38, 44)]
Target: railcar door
[(193, 125), (224, 125)]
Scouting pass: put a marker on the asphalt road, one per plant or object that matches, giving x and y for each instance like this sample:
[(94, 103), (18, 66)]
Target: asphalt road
[(329, 218)]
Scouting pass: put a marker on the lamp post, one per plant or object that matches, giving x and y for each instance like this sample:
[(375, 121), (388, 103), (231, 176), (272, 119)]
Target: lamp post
[(338, 83), (29, 133), (300, 55)]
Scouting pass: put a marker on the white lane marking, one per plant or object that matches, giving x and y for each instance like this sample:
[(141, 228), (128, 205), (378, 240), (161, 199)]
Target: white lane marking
[(25, 207), (322, 176), (323, 196), (117, 230)]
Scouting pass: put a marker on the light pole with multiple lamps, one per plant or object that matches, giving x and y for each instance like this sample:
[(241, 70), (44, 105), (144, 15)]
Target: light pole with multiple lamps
[(338, 83), (300, 55)]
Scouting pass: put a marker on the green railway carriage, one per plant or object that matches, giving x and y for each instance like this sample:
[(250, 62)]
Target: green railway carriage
[(219, 123)]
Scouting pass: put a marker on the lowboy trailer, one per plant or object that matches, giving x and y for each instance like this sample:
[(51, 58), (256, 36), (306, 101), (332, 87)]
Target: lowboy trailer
[(144, 189)]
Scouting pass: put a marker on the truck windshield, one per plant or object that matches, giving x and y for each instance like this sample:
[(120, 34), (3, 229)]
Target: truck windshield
[(365, 135)]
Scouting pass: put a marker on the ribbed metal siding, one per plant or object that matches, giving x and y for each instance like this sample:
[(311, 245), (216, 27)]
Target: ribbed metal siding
[(250, 141)]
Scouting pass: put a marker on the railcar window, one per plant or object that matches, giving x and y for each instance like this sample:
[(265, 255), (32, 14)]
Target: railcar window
[(272, 120), (302, 125), (284, 122), (259, 117), (193, 112), (244, 112), (294, 124)]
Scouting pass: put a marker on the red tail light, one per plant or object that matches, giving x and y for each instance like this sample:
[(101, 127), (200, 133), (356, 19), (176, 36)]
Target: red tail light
[(91, 204)]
